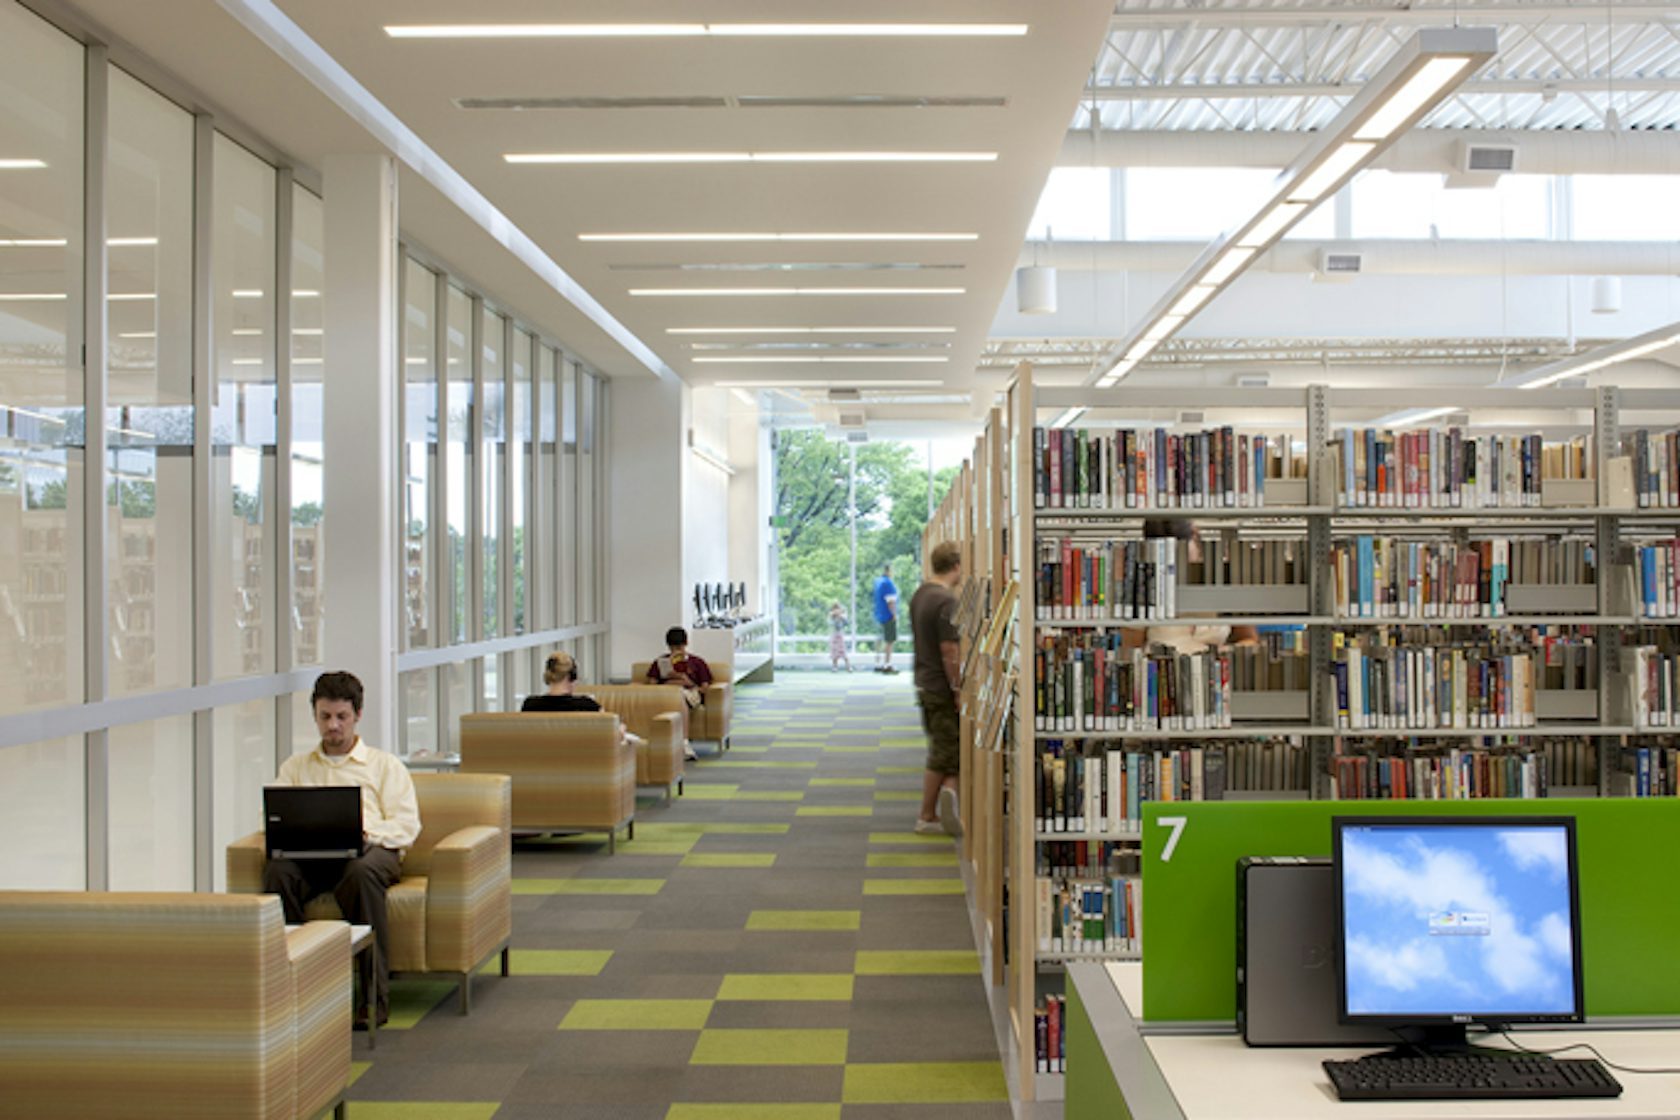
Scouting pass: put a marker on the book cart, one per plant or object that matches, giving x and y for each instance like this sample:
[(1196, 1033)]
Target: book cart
[(1479, 605)]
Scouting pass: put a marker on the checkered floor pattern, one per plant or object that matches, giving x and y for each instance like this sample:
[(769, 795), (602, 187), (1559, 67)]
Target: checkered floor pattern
[(777, 944)]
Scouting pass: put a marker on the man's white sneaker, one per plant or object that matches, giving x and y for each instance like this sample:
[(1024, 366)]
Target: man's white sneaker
[(929, 827), (949, 818), (689, 754)]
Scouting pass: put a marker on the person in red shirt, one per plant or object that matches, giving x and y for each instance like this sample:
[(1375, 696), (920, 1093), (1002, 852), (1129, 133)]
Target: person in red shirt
[(679, 667)]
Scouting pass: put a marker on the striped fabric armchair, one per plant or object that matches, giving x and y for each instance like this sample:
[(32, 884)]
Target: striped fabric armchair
[(452, 910), (656, 714), (136, 1006), (570, 770), (710, 721)]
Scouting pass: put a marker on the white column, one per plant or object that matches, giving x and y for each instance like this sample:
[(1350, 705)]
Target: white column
[(649, 469), (359, 478)]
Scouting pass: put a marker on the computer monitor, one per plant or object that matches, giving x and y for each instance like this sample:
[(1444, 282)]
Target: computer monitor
[(1445, 922)]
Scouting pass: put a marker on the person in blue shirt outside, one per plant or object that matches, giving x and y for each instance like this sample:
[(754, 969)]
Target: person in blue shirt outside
[(886, 613)]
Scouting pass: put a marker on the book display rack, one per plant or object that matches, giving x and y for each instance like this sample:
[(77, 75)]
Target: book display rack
[(1487, 609)]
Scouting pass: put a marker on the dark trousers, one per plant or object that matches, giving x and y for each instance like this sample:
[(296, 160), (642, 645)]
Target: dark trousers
[(359, 885)]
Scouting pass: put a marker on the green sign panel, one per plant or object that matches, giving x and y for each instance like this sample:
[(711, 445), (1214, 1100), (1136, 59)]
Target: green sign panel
[(1629, 858)]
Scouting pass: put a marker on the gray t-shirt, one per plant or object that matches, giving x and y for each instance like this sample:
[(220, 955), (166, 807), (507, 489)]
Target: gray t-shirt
[(932, 621)]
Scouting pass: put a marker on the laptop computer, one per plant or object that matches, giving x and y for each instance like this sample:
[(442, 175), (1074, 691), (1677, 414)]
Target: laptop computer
[(1286, 956), (313, 822)]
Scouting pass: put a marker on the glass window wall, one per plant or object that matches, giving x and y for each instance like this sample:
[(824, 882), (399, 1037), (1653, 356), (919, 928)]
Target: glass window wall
[(459, 454), (308, 525), (242, 421), (41, 426), (419, 452), (494, 446), (149, 417), (151, 805)]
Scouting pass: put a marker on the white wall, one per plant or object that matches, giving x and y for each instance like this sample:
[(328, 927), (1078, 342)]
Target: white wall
[(749, 503), (706, 505), (649, 465)]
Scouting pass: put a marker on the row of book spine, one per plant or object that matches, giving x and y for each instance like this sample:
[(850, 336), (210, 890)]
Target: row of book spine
[(1454, 775), (1656, 467), (1385, 687), (1079, 788), (1152, 468), (1571, 760), (1655, 677), (1094, 917), (1658, 568), (1048, 1017), (1088, 859), (1448, 469), (1088, 683), (1094, 580), (1649, 771), (1385, 577)]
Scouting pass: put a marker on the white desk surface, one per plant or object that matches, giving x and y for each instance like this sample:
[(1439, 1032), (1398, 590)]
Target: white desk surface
[(1219, 1077)]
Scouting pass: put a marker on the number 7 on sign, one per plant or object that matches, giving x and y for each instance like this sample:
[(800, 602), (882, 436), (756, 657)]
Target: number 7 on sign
[(1176, 825)]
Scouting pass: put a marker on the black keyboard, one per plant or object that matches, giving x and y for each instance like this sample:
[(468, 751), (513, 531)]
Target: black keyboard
[(1468, 1077)]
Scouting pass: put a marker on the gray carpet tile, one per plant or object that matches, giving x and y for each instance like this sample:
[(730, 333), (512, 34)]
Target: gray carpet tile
[(680, 943)]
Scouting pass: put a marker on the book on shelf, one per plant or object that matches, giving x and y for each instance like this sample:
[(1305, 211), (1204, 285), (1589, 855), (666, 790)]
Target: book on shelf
[(1455, 774), (1097, 580), (1087, 859), (1153, 468), (1655, 677), (1387, 577), (1656, 467), (1399, 678), (1445, 468), (1079, 786), (1048, 1016), (1087, 681), (1104, 916), (1657, 566), (1647, 770)]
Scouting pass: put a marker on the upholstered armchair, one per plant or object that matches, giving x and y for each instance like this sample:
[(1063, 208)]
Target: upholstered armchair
[(711, 720), (570, 770), (133, 1006), (654, 713), (452, 910)]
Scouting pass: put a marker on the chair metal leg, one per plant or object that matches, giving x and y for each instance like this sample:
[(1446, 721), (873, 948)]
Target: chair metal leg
[(506, 951), (631, 832), (679, 787), (612, 841), (341, 1110), (466, 992)]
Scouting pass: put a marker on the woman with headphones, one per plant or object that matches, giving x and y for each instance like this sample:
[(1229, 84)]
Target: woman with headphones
[(560, 675)]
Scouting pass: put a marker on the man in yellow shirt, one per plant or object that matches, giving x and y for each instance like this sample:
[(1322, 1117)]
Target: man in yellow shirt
[(390, 824)]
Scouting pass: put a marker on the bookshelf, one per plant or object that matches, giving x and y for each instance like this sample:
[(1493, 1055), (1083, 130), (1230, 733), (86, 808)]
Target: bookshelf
[(1581, 485)]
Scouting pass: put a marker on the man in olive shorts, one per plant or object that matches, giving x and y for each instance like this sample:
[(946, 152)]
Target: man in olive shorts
[(933, 630)]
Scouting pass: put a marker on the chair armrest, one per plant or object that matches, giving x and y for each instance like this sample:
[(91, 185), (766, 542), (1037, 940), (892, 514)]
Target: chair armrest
[(720, 699), (666, 730), (469, 898), (246, 858), (319, 953)]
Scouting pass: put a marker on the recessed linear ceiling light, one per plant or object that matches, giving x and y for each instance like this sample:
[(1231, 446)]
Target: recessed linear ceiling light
[(130, 297), (789, 266), (798, 291), (810, 330), (850, 383), (32, 297), (826, 359), (739, 101), (733, 237), (22, 164), (790, 346), (1419, 76), (700, 30), (749, 157)]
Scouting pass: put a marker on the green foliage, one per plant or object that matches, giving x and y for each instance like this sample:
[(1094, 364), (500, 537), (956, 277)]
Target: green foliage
[(815, 546), (307, 515)]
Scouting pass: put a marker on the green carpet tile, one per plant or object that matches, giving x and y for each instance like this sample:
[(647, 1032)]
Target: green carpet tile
[(775, 944)]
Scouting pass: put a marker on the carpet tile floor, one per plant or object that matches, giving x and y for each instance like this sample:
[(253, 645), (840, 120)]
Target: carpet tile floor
[(777, 944)]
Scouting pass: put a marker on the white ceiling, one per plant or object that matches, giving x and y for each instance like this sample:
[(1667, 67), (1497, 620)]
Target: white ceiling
[(1039, 77)]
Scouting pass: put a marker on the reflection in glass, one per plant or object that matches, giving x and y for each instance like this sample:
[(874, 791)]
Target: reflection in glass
[(588, 607), (490, 493), (308, 523), (150, 805), (518, 440), (419, 447), (242, 421), (243, 762), (149, 419), (460, 451), (565, 533), (419, 712), (42, 794), (548, 465), (42, 480)]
